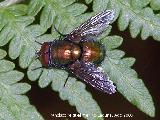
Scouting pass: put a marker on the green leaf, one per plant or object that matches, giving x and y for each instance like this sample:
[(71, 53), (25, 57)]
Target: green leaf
[(60, 77), (73, 91), (16, 28), (118, 54), (34, 71), (134, 14), (88, 1), (155, 4), (14, 105), (76, 94), (105, 33), (100, 5), (78, 21), (18, 9), (11, 77), (6, 65), (20, 88), (2, 53), (47, 17), (127, 62), (35, 30), (112, 42), (123, 20), (139, 4), (61, 15), (125, 78), (45, 80), (35, 6), (22, 36), (76, 9), (6, 35), (60, 12)]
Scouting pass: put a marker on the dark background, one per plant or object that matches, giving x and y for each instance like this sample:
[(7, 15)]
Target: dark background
[(147, 54)]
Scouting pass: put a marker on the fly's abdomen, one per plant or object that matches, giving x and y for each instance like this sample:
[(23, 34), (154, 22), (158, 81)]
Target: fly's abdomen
[(92, 52)]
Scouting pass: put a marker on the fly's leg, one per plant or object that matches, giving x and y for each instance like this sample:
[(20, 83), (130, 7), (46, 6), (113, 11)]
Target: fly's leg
[(66, 81), (36, 68), (39, 43), (61, 34)]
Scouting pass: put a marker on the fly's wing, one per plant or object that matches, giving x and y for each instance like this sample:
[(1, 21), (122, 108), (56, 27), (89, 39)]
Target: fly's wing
[(92, 27), (92, 75)]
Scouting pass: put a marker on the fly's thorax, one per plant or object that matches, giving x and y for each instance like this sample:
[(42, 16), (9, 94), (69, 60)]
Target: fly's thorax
[(65, 52), (92, 52)]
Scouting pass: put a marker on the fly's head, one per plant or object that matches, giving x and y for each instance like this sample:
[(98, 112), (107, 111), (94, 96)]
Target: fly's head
[(44, 54)]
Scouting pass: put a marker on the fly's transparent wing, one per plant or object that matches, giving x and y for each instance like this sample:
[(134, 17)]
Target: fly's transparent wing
[(92, 27), (92, 75)]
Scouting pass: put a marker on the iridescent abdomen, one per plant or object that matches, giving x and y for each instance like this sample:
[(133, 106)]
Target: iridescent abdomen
[(92, 52)]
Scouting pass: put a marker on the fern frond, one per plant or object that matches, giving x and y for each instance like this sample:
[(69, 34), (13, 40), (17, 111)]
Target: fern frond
[(2, 53), (155, 4), (65, 15), (5, 3), (139, 4), (21, 36), (114, 64), (88, 1), (73, 91), (13, 104), (76, 94), (15, 26), (134, 14), (125, 78), (61, 13)]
